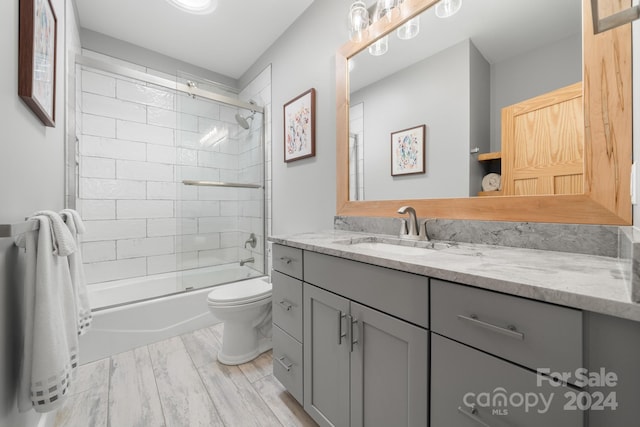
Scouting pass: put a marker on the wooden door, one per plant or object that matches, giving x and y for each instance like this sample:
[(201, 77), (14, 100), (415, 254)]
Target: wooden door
[(543, 144)]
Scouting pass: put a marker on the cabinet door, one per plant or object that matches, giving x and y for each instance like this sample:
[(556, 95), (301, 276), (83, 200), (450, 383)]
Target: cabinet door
[(470, 388), (326, 357), (389, 364)]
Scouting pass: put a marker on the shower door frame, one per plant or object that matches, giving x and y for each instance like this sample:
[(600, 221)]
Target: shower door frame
[(71, 148), (166, 83)]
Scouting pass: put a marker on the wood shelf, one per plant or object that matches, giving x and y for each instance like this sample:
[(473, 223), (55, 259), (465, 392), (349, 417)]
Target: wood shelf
[(490, 193), (485, 157)]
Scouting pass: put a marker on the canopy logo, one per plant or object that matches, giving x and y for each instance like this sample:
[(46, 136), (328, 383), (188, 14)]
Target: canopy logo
[(597, 397)]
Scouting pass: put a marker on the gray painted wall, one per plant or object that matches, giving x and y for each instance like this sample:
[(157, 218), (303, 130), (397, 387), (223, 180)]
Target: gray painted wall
[(440, 89), (31, 178), (302, 58), (531, 74), (479, 116)]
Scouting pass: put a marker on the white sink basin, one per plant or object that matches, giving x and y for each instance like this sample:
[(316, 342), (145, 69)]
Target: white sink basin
[(394, 246), (391, 248)]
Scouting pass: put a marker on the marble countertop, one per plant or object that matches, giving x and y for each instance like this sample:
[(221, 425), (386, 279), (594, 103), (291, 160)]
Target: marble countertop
[(587, 282)]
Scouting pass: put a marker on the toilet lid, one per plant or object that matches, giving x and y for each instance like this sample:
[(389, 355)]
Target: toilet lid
[(240, 292)]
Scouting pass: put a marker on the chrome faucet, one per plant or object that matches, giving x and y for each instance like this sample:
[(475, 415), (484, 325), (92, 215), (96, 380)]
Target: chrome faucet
[(413, 231), (246, 260)]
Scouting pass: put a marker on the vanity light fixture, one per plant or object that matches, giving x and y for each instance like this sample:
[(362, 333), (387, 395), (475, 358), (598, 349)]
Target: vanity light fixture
[(358, 21), (410, 29), (380, 47), (448, 8), (383, 8), (197, 7)]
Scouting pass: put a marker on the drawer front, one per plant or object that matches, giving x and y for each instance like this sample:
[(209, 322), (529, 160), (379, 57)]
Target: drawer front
[(463, 378), (287, 304), (287, 260), (400, 294), (534, 334), (287, 362)]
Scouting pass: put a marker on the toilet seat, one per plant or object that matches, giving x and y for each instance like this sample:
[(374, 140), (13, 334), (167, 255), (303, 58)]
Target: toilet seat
[(239, 293)]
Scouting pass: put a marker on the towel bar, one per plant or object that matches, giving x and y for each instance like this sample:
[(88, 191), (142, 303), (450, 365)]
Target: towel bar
[(13, 230), (219, 184)]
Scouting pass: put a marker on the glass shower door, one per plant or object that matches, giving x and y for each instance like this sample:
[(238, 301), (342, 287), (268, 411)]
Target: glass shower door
[(220, 193)]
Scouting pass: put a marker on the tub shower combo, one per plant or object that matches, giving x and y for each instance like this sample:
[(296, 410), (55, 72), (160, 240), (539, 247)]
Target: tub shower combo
[(169, 177)]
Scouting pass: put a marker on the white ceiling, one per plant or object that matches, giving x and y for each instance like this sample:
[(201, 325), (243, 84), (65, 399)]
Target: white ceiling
[(228, 41)]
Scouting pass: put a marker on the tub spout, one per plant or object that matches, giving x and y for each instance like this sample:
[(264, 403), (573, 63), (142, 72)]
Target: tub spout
[(246, 260)]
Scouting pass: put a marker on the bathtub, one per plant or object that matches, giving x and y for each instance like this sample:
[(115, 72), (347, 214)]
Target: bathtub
[(162, 308)]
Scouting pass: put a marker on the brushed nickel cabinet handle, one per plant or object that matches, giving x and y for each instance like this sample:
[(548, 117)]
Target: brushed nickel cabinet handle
[(340, 333), (286, 366), (353, 341), (286, 305), (509, 331), (285, 259), (473, 415)]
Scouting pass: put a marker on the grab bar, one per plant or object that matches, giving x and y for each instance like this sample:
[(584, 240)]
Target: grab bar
[(219, 184), (13, 230)]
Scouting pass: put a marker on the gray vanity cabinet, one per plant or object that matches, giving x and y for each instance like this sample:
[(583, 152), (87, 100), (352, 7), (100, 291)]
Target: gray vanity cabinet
[(389, 370), (486, 350), (362, 367), (287, 318), (326, 357), (474, 389)]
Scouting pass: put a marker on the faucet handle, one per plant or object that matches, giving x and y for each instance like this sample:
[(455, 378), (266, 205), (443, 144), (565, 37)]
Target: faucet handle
[(403, 227), (423, 230)]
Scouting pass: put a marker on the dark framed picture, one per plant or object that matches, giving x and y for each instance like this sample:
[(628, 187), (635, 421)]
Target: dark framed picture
[(407, 151), (37, 58), (300, 127)]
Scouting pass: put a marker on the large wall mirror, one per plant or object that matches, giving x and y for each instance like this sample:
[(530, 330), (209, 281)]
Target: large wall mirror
[(456, 77)]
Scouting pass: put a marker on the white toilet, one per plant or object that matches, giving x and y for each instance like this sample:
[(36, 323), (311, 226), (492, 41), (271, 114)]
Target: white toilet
[(245, 309)]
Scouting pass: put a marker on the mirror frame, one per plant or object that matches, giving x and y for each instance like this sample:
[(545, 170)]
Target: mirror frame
[(608, 125)]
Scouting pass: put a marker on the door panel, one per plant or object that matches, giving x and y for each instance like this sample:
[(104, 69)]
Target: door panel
[(389, 365), (326, 357)]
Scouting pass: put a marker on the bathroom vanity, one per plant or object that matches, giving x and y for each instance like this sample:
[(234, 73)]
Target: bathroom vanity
[(377, 331)]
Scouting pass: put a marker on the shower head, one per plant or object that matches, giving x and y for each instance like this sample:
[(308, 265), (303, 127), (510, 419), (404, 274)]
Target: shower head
[(244, 121)]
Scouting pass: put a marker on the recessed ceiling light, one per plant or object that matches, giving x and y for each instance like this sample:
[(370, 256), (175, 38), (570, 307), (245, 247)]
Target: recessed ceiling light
[(198, 7)]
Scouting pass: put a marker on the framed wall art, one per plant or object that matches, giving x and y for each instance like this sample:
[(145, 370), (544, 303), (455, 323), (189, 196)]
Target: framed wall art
[(37, 58), (407, 151), (300, 127)]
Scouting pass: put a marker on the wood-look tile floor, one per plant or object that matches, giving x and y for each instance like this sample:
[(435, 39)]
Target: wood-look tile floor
[(178, 382)]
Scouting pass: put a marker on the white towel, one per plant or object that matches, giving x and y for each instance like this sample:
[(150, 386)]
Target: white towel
[(491, 182), (63, 242), (50, 348), (76, 227)]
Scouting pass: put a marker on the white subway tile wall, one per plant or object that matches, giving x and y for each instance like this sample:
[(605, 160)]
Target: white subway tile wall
[(137, 143)]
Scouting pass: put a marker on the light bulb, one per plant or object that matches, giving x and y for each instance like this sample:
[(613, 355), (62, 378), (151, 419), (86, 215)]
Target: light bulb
[(383, 8), (358, 21), (410, 29), (380, 47), (447, 8)]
